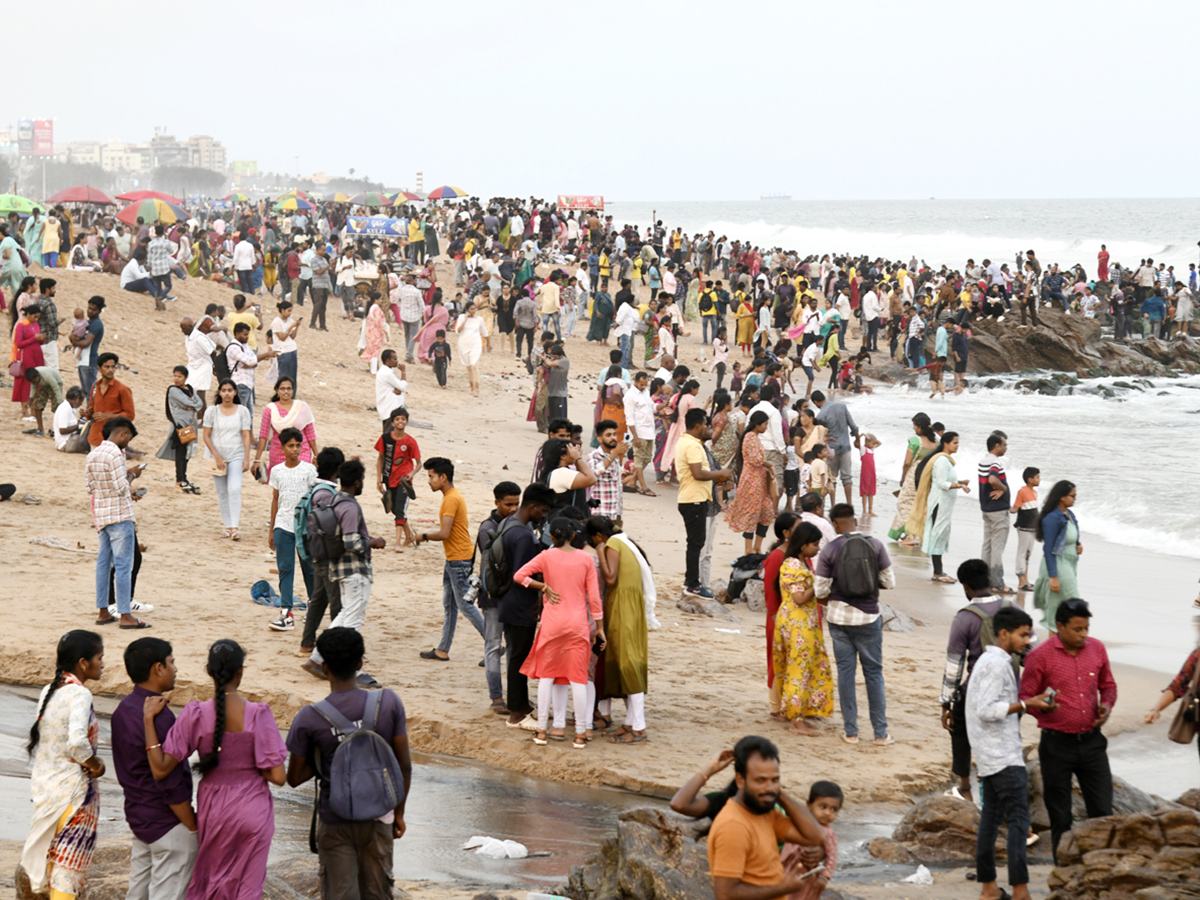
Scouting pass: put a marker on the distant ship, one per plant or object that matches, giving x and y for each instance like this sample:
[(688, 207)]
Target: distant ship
[(775, 196)]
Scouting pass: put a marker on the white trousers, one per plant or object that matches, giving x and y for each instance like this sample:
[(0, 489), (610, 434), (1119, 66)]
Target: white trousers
[(356, 593), (635, 711), (549, 692), (229, 492)]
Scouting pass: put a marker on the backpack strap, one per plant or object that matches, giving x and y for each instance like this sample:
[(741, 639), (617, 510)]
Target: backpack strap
[(329, 713), (371, 710)]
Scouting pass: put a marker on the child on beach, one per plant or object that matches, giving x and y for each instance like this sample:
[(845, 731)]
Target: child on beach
[(825, 801), (735, 382), (720, 357), (866, 480), (439, 352), (1025, 505), (821, 482), (79, 326), (791, 475), (806, 473)]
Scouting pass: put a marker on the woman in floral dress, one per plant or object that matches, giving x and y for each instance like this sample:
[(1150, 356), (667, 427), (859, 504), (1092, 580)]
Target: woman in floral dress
[(801, 663), (753, 509)]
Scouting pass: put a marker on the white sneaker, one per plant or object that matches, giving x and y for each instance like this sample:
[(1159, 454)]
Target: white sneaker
[(285, 622), (134, 607)]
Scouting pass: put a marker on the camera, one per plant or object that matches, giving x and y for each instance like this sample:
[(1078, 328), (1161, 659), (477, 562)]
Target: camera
[(474, 583)]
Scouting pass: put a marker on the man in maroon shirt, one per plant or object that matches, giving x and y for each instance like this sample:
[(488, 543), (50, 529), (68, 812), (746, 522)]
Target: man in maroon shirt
[(1075, 666)]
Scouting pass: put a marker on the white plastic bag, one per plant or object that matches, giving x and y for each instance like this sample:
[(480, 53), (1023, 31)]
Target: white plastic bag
[(921, 876), (496, 849)]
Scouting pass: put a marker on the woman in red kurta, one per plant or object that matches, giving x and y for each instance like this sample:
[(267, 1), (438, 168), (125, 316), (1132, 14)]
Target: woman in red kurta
[(27, 349), (562, 648)]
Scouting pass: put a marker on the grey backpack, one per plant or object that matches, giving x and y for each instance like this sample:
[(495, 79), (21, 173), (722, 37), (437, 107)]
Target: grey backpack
[(364, 776)]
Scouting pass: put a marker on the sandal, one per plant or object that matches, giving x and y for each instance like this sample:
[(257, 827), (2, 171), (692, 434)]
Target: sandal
[(556, 737), (539, 738), (138, 624), (648, 493), (580, 742), (629, 737), (944, 579), (233, 535), (606, 721), (499, 708)]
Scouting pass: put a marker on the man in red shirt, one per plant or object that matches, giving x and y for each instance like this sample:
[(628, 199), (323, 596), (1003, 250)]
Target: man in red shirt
[(1075, 666)]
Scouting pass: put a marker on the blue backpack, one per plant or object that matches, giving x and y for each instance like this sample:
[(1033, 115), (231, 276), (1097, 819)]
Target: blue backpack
[(364, 776)]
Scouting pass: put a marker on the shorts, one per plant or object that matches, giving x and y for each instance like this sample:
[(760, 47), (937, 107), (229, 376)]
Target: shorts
[(960, 367), (791, 481), (399, 498), (841, 467), (643, 452), (42, 396)]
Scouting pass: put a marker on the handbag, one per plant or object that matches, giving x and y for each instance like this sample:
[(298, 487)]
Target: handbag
[(186, 435), (16, 368), (1183, 728)]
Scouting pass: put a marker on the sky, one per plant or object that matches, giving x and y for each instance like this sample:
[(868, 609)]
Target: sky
[(659, 100)]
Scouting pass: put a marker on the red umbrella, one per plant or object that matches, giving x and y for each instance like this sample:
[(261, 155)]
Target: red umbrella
[(133, 196), (83, 194)]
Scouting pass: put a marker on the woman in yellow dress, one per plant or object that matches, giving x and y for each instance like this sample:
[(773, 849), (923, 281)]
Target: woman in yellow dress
[(801, 662), (745, 323)]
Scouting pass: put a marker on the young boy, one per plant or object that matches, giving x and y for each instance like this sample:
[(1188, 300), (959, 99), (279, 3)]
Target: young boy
[(806, 473), (440, 353), (289, 481), (399, 456), (1026, 507)]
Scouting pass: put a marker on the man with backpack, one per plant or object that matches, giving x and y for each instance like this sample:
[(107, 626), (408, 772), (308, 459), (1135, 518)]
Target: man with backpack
[(970, 632), (325, 594), (507, 495), (337, 537), (709, 321), (518, 607), (356, 744), (850, 572)]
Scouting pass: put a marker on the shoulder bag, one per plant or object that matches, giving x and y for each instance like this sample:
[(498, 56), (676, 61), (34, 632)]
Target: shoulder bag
[(1183, 728)]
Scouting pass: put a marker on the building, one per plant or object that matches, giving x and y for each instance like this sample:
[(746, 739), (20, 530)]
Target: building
[(118, 156), (206, 153), (87, 153)]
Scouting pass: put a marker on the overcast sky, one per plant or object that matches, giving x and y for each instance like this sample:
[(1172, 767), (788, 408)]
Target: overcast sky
[(695, 100)]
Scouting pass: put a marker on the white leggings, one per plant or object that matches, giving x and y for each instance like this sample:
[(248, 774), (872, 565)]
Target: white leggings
[(549, 692), (635, 711), (229, 492)]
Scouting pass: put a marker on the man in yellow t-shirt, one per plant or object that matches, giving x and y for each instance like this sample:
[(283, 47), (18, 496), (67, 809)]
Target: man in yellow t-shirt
[(244, 313), (695, 493), (455, 535), (743, 843)]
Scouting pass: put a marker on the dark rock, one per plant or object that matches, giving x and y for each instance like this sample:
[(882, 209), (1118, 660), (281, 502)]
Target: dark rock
[(1140, 833), (1190, 799), (485, 895), (1094, 835), (1177, 860), (697, 606), (890, 851), (940, 830), (1169, 892)]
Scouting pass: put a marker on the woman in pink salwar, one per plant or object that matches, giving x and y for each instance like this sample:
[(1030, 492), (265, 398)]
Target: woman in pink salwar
[(435, 317), (285, 411), (377, 332), (240, 751)]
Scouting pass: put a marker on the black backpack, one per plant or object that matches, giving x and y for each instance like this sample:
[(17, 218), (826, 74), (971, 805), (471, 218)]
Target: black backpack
[(495, 568), (857, 567), (323, 536), (706, 302)]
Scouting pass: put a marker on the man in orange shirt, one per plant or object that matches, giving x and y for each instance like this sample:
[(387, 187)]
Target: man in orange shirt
[(110, 399), (743, 852)]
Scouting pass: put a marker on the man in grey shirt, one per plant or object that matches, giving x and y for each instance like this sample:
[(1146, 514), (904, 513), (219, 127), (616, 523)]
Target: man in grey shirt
[(840, 424), (556, 382)]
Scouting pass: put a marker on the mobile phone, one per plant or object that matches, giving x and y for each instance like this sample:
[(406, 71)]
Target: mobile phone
[(1051, 693), (140, 492), (812, 872)]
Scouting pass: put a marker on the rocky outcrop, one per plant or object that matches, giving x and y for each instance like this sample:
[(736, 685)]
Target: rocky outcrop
[(1147, 856)]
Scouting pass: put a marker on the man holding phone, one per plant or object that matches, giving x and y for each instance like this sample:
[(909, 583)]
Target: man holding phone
[(607, 461)]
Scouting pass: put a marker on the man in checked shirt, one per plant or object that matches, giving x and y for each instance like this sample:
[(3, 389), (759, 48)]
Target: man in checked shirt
[(1075, 666)]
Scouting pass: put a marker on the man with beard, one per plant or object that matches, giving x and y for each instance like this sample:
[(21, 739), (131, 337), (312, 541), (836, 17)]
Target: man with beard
[(743, 848), (607, 461)]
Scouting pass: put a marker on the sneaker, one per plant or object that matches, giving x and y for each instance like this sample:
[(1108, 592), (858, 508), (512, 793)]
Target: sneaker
[(955, 793), (702, 592), (285, 622), (134, 607)]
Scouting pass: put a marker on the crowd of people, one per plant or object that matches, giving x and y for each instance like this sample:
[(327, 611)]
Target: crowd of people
[(549, 578)]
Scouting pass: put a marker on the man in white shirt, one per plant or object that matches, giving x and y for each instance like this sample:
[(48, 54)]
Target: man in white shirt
[(391, 391), (666, 368), (812, 510), (243, 264), (639, 418), (871, 308), (306, 258), (136, 279), (772, 439), (199, 348), (626, 320), (66, 424)]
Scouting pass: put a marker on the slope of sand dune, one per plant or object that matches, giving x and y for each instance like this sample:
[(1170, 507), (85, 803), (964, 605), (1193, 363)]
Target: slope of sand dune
[(707, 687)]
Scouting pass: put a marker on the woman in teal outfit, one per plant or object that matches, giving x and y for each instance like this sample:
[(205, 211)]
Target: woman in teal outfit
[(35, 229), (1058, 530), (12, 268)]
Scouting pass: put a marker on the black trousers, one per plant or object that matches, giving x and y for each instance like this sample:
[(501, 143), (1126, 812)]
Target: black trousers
[(557, 409), (181, 462), (320, 299), (1086, 757), (526, 334), (439, 368), (960, 744), (325, 594), (519, 640), (695, 522)]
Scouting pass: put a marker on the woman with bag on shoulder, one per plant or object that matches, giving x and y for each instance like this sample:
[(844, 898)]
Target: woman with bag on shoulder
[(183, 406), (1184, 687)]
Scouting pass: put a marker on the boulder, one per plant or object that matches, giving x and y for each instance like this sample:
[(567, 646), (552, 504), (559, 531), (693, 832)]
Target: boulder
[(754, 595), (1126, 799), (1190, 799), (936, 831), (896, 620), (698, 606)]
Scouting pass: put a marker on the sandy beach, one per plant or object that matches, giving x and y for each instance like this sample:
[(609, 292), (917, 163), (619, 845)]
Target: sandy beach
[(707, 687)]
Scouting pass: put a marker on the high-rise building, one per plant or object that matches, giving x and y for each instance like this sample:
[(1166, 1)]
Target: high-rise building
[(206, 153)]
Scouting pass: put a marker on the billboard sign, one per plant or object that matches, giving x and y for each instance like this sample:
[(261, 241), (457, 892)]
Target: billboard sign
[(245, 167), (580, 201), (25, 135), (43, 137), (377, 226)]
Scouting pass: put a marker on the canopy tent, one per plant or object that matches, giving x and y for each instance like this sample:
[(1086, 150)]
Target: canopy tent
[(580, 201)]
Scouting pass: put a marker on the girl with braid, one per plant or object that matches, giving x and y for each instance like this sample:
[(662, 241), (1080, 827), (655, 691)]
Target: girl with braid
[(240, 751), (62, 745)]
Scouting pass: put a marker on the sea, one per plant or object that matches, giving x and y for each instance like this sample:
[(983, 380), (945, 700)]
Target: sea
[(1131, 450)]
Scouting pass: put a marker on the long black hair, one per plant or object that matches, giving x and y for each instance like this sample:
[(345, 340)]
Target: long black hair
[(924, 425), (947, 437), (225, 660), (72, 647), (595, 525), (281, 380), (756, 419), (783, 522), (1060, 490)]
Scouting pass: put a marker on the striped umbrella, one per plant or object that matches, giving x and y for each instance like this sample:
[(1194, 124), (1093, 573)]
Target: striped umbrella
[(406, 196), (294, 203), (339, 197), (292, 193), (151, 211), (237, 197), (370, 198), (13, 203), (133, 196), (445, 192)]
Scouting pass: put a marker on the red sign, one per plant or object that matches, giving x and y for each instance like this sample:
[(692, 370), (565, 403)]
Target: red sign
[(43, 137), (580, 201)]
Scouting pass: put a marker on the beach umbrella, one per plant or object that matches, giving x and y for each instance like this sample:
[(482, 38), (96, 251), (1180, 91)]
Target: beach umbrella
[(13, 203), (82, 193), (406, 196), (446, 192), (293, 193), (339, 197), (294, 203), (152, 211), (237, 197), (370, 198), (133, 196)]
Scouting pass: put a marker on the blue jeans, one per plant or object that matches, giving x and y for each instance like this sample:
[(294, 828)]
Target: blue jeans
[(454, 588), (1005, 796), (285, 561), (246, 398), (87, 379), (1061, 298), (842, 329), (852, 643), (552, 318), (624, 342), (116, 556), (493, 634), (707, 324), (581, 305), (145, 286)]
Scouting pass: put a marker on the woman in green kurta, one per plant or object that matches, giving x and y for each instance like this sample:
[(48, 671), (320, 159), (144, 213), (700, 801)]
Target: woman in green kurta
[(626, 656), (1058, 530)]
